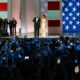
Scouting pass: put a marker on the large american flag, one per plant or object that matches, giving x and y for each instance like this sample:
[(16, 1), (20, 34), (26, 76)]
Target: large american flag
[(71, 15)]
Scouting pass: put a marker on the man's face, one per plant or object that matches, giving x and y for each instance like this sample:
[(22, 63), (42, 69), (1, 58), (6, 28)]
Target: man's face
[(58, 61), (76, 69), (36, 15), (13, 19)]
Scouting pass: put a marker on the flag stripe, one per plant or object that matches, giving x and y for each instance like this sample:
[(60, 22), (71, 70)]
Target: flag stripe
[(54, 5), (54, 23), (3, 14), (2, 1), (53, 0), (54, 15), (3, 6)]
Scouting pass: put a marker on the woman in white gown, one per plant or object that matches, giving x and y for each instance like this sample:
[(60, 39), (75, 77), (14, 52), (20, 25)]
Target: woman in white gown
[(43, 26)]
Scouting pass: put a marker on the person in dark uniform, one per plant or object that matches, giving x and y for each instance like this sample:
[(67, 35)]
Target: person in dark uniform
[(58, 72), (10, 26), (76, 73), (14, 23), (36, 21), (5, 24), (1, 23)]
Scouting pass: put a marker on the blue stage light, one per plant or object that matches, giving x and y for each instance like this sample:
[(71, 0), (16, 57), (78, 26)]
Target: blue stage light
[(76, 61), (19, 56), (19, 48)]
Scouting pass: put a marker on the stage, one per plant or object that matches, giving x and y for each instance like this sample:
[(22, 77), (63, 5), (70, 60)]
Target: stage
[(31, 35)]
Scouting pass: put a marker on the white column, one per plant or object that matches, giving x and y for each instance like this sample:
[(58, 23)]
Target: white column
[(16, 13), (23, 16), (27, 13), (30, 13)]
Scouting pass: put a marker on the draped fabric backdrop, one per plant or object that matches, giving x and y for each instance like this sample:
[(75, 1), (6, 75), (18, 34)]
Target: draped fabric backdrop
[(44, 10)]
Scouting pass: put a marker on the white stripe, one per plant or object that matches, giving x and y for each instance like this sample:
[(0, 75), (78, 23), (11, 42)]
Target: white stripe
[(54, 15), (53, 0), (3, 15), (3, 1)]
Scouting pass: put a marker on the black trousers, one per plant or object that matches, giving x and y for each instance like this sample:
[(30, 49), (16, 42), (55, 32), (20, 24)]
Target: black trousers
[(14, 30), (36, 32), (5, 28), (10, 31)]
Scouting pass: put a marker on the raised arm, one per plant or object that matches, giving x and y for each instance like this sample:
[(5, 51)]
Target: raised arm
[(33, 20)]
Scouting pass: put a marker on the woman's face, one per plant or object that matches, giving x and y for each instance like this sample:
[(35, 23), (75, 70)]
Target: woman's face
[(43, 16)]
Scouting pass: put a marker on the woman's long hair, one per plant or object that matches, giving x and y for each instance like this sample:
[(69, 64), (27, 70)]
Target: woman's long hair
[(44, 16)]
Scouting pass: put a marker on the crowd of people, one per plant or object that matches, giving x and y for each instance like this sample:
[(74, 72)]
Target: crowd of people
[(40, 59), (4, 23)]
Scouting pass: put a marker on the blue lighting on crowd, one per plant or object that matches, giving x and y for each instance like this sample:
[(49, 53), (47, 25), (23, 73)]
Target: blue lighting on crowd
[(76, 61)]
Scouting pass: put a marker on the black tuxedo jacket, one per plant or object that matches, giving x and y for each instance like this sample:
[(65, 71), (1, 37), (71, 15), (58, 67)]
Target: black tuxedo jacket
[(36, 23), (14, 22)]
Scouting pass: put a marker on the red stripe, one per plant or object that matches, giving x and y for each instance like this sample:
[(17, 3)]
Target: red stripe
[(3, 6), (54, 23), (54, 5)]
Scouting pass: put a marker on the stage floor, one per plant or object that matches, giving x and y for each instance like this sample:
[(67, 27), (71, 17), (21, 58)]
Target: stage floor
[(70, 34), (31, 35)]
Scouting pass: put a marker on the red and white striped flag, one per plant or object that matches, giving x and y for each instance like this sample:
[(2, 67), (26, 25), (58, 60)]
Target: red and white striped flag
[(53, 14)]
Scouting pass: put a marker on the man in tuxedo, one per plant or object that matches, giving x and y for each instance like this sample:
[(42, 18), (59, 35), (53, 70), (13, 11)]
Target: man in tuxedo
[(36, 21), (14, 23)]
